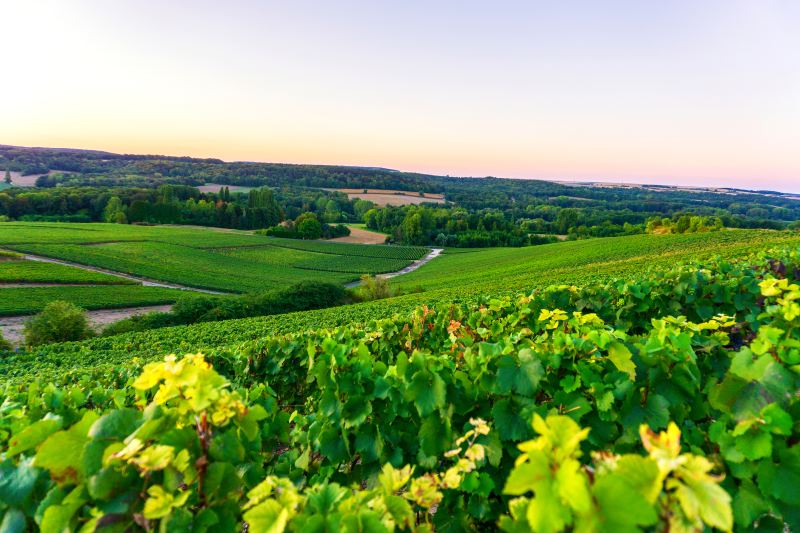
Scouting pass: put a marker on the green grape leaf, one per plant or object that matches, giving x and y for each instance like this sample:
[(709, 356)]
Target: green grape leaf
[(528, 475), (610, 491), (546, 513), (116, 425), (356, 411), (17, 482), (31, 436), (510, 425), (267, 517), (520, 375), (13, 521), (573, 486), (748, 504), (777, 420), (61, 452), (701, 495), (427, 390), (621, 356), (641, 474), (58, 517), (754, 444)]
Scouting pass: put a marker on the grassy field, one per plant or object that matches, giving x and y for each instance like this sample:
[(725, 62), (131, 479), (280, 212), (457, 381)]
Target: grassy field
[(205, 258)]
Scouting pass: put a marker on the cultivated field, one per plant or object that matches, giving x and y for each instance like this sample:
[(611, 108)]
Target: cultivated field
[(361, 235), (233, 262), (597, 261), (215, 187), (383, 197), (583, 261), (18, 180)]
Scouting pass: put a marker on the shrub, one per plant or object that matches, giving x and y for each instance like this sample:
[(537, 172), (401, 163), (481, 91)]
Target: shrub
[(4, 344), (374, 288), (140, 323), (58, 322), (302, 296), (279, 231)]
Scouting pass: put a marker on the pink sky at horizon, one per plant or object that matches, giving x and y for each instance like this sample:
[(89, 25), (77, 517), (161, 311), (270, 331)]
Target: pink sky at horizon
[(685, 93)]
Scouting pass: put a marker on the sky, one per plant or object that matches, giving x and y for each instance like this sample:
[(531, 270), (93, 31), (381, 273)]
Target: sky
[(700, 92)]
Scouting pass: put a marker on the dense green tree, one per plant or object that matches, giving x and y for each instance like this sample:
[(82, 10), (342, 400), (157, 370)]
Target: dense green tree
[(263, 210), (567, 219), (114, 211), (308, 226)]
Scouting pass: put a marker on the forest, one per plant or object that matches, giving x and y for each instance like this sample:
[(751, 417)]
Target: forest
[(89, 186)]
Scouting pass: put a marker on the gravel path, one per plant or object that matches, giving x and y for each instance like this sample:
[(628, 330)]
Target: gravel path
[(13, 326)]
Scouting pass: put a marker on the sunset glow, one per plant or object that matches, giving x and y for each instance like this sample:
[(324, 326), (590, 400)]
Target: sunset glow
[(679, 92)]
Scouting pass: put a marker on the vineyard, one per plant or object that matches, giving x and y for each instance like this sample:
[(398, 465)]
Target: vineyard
[(409, 253), (599, 268), (222, 261), (668, 403), (511, 268), (22, 271), (27, 300)]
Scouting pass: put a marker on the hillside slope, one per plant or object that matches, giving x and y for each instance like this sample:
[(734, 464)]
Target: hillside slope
[(684, 384), (501, 272)]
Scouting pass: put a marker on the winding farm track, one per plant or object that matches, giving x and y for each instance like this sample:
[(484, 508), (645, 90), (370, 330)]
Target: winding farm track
[(435, 252), (13, 327), (144, 281)]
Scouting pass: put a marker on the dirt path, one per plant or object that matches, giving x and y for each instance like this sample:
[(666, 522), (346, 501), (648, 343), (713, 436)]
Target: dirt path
[(435, 252), (13, 327), (144, 281)]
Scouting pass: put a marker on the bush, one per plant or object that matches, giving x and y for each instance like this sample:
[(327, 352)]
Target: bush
[(140, 323), (58, 322), (374, 288), (279, 231), (4, 344), (302, 296)]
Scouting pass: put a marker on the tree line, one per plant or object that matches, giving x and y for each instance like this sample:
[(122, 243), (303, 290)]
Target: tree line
[(480, 212)]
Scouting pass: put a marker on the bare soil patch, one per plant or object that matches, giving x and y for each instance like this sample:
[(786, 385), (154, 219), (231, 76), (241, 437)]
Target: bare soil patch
[(361, 236), (18, 180), (383, 197), (13, 326), (434, 195), (394, 199), (215, 187)]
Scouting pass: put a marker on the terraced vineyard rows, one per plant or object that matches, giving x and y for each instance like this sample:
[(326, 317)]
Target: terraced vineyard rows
[(235, 262), (38, 272), (583, 261), (409, 253), (359, 265), (645, 264), (28, 300), (666, 403)]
